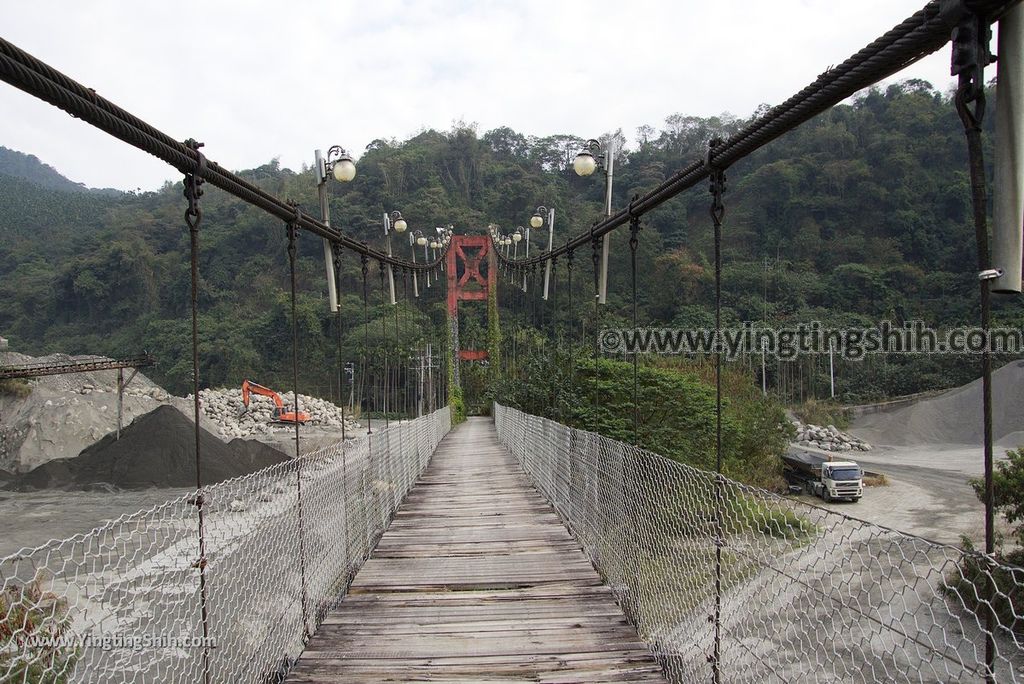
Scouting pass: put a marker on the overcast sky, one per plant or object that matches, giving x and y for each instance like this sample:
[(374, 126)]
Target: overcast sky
[(261, 79)]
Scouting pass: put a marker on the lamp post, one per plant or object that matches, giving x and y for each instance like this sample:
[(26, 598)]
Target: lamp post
[(395, 222), (445, 238), (415, 279), (338, 163), (584, 165), (421, 240), (516, 239), (537, 221)]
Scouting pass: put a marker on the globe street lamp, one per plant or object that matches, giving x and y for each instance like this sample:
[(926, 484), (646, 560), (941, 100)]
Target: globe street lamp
[(412, 247), (338, 163), (422, 241), (585, 164), (438, 242), (395, 222), (516, 238), (537, 221)]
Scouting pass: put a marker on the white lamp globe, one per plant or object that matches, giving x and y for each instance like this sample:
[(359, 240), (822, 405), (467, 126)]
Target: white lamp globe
[(400, 225), (344, 170), (584, 165), (517, 236), (536, 221), (421, 241)]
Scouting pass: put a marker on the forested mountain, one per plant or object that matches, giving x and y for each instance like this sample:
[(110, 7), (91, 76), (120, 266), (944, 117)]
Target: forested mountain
[(28, 167), (858, 216)]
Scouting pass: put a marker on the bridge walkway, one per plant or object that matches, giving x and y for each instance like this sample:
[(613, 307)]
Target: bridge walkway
[(476, 580)]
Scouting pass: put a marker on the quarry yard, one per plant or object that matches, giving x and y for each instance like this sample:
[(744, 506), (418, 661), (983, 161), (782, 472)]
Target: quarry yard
[(927, 492)]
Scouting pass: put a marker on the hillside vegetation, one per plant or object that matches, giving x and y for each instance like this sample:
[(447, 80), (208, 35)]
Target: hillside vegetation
[(858, 216)]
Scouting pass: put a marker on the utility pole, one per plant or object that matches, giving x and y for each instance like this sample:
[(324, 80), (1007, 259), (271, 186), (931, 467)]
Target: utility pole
[(430, 377), (831, 370)]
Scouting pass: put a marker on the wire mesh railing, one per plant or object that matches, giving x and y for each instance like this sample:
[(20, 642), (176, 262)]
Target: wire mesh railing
[(803, 593), (122, 603)]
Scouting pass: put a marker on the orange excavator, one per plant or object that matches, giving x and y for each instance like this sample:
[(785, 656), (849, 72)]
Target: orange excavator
[(280, 414)]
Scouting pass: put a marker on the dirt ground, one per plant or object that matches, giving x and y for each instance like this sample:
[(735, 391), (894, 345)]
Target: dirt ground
[(927, 495), (31, 519)]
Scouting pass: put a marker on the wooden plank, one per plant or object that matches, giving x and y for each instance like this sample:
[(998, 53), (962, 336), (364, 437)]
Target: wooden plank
[(476, 580)]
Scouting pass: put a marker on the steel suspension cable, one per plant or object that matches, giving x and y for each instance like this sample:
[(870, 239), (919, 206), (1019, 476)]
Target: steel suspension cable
[(634, 232), (336, 249), (194, 218), (717, 214), (341, 361), (553, 355), (533, 295), (397, 365), (292, 233), (970, 106), (384, 354), (364, 260), (569, 336), (595, 244)]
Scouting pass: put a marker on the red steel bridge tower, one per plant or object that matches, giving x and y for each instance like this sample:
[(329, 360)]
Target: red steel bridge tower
[(466, 254)]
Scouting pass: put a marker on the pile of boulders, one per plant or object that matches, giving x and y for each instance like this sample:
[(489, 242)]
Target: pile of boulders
[(146, 392), (224, 408), (827, 438)]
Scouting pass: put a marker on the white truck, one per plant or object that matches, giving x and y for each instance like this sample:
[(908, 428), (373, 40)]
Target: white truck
[(818, 476)]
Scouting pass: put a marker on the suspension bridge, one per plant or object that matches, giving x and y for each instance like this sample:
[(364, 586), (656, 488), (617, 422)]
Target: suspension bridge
[(513, 547)]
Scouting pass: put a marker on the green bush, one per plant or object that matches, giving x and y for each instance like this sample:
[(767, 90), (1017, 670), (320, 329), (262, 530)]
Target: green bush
[(1008, 490), (984, 588), (987, 589), (15, 388), (820, 412), (676, 409), (30, 611), (747, 514), (457, 404)]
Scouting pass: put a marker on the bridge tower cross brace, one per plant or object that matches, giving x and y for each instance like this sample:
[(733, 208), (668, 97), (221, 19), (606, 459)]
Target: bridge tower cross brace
[(472, 285)]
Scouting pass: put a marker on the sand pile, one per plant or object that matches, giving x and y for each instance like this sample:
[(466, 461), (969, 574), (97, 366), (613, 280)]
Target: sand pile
[(222, 406), (953, 417), (156, 450)]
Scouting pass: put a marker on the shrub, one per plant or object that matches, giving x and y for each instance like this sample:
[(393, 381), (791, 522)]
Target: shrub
[(987, 589), (16, 387), (817, 412), (30, 612)]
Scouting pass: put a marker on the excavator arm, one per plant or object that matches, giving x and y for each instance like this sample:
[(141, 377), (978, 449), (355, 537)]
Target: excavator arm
[(280, 414), (248, 387)]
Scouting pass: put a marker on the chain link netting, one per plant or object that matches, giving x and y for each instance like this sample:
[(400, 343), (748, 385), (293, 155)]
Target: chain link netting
[(806, 594), (122, 603)]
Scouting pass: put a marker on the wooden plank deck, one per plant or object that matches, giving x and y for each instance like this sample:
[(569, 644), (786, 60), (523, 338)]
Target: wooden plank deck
[(476, 580)]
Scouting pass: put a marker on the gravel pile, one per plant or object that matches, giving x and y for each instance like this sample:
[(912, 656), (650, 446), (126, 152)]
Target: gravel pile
[(954, 417), (156, 450), (222, 408), (64, 414), (828, 438)]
